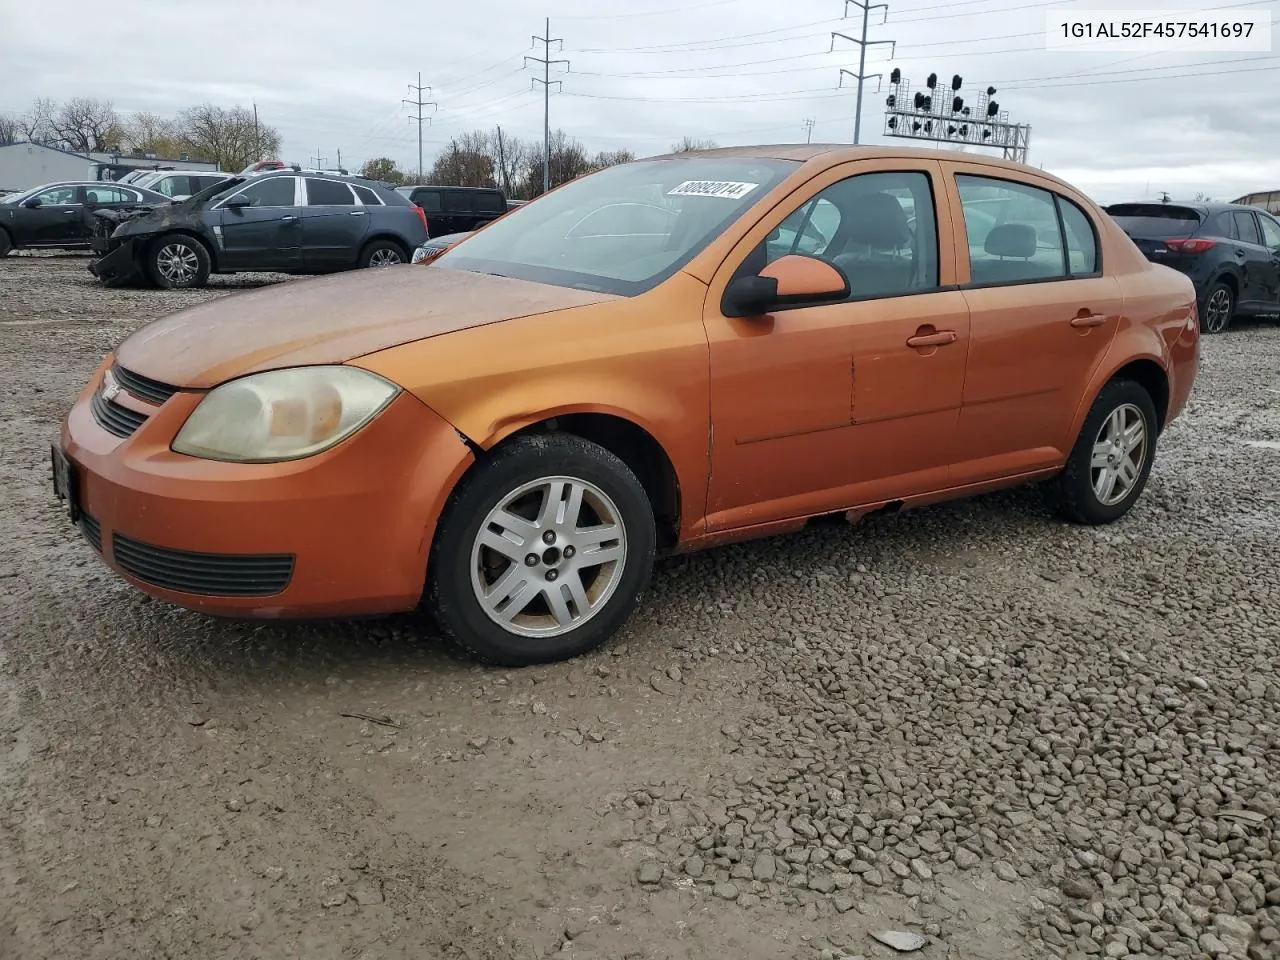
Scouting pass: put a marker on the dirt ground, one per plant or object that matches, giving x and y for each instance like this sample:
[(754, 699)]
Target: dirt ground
[(1018, 738)]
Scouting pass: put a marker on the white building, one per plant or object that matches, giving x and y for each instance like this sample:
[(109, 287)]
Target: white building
[(24, 165)]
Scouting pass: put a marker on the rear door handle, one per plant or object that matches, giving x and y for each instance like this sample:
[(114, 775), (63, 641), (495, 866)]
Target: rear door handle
[(939, 339), (287, 218), (357, 213), (1090, 320)]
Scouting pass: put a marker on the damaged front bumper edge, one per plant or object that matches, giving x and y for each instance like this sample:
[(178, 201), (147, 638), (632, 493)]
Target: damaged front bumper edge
[(115, 265)]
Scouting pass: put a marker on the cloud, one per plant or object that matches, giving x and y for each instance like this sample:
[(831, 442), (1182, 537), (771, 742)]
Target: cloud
[(645, 74)]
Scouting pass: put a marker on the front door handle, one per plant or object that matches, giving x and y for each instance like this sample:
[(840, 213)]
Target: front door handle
[(70, 213), (939, 339), (288, 218), (357, 213), (1084, 319)]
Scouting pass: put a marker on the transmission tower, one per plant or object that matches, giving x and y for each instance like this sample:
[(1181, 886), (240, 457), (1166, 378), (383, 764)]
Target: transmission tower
[(546, 40), (862, 76), (419, 103)]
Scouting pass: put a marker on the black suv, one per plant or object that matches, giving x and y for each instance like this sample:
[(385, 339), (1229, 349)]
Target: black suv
[(1231, 253), (456, 209), (287, 221)]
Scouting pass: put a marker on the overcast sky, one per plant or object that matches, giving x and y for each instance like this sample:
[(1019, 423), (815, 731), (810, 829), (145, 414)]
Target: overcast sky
[(645, 73)]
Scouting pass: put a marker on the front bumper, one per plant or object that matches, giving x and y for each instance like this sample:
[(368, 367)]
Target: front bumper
[(116, 260), (343, 533)]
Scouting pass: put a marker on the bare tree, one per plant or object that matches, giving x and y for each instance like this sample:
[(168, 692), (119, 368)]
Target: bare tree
[(227, 137), (690, 144), (35, 123), (510, 155), (465, 162), (149, 133), (86, 125), (10, 129), (569, 160), (611, 158)]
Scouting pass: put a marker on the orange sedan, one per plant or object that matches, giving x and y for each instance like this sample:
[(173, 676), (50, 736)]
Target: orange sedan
[(662, 356)]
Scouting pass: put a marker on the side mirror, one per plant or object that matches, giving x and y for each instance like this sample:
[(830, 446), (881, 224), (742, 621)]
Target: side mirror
[(33, 203), (791, 280), (238, 203)]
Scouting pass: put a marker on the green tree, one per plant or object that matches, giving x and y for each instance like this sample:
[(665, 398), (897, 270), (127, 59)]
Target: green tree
[(382, 168)]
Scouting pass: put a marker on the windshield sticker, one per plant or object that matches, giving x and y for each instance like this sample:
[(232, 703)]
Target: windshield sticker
[(726, 189)]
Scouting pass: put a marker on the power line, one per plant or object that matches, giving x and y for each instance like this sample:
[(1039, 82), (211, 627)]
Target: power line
[(862, 76), (419, 103), (649, 13), (546, 40)]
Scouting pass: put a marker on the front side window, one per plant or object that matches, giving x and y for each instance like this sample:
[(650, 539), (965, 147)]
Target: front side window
[(878, 229), (1246, 229), (57, 196), (272, 192), (328, 193), (687, 201), (1013, 231), (1270, 233)]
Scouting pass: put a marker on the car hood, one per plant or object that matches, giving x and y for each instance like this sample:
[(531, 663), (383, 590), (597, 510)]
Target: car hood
[(330, 320)]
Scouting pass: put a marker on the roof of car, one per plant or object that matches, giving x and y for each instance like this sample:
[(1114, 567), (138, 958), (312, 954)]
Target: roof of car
[(1200, 206)]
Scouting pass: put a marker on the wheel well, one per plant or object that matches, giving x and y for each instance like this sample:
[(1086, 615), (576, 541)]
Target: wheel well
[(389, 238), (1148, 375), (189, 234), (1230, 280), (635, 447)]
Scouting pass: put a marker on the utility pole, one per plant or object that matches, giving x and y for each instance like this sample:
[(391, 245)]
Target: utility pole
[(419, 103), (808, 138), (502, 164), (546, 40), (257, 137), (862, 76), (339, 158), (319, 160)]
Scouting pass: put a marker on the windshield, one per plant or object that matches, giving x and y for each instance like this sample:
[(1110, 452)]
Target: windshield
[(215, 190), (1155, 220), (623, 230)]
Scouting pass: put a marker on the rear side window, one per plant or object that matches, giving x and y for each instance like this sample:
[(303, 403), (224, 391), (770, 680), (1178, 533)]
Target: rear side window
[(328, 193), (1082, 242), (457, 201), (430, 201), (1013, 231), (1246, 228), (1155, 220), (1220, 225), (490, 203), (367, 196)]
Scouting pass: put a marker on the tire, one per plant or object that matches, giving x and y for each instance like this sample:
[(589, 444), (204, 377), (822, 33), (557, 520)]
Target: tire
[(1082, 493), (551, 467), (383, 253), (1218, 309), (6, 242), (176, 261)]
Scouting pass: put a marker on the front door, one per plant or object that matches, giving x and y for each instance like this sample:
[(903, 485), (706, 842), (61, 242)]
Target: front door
[(1043, 318), (333, 226), (827, 407), (59, 218), (1271, 285), (267, 234), (1254, 260)]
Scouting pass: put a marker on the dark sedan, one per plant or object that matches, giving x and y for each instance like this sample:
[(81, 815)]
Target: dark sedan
[(292, 221), (60, 215), (1231, 253)]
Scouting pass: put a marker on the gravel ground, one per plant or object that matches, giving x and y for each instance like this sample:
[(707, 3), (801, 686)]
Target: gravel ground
[(1013, 737)]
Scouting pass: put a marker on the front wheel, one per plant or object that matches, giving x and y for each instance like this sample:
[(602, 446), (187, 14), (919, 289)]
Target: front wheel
[(542, 552), (383, 253), (178, 262), (1112, 457), (1219, 308)]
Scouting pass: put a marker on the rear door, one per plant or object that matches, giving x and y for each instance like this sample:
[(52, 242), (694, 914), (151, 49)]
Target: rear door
[(1253, 259), (489, 206), (459, 211), (1271, 284), (267, 234), (432, 204), (333, 225), (110, 196)]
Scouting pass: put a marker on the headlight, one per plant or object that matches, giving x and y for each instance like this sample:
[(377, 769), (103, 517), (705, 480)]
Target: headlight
[(283, 414), (421, 254)]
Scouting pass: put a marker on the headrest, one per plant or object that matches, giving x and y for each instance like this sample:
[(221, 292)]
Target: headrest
[(878, 220), (1012, 240)]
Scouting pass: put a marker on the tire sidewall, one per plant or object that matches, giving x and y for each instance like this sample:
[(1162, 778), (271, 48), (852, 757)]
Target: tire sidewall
[(1231, 297), (6, 243), (1078, 477), (203, 262), (377, 245), (450, 593)]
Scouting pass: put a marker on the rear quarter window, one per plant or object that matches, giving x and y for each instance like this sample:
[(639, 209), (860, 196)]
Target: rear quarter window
[(1155, 220)]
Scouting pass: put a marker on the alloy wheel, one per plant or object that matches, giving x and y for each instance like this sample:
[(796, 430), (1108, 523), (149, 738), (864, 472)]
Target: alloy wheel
[(548, 557), (1217, 312), (1119, 453), (177, 263), (384, 258)]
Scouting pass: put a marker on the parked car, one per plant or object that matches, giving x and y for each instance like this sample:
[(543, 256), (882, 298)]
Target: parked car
[(514, 434), (456, 209), (428, 251), (180, 184), (1231, 252), (60, 215), (285, 222)]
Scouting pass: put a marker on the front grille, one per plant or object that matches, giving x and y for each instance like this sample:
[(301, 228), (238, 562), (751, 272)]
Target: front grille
[(92, 531), (114, 418), (209, 574), (144, 388)]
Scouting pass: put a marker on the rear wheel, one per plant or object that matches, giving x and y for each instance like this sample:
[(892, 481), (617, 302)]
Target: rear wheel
[(542, 552), (1109, 465), (383, 253), (178, 262), (6, 242), (1218, 309)]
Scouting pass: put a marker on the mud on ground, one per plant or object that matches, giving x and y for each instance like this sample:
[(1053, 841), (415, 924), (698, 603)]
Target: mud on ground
[(1016, 737)]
